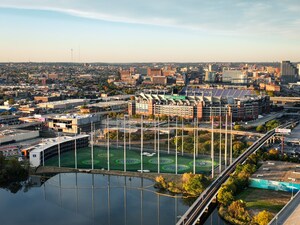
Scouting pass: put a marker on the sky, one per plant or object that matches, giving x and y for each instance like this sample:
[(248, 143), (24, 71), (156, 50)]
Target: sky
[(149, 31)]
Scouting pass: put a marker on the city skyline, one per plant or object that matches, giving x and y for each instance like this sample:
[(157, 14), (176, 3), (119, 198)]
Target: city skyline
[(135, 31)]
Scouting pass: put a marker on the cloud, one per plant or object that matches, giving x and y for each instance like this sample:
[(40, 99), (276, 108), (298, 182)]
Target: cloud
[(231, 17)]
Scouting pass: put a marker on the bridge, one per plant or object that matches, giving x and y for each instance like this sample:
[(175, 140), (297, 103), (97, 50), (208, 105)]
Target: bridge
[(200, 206)]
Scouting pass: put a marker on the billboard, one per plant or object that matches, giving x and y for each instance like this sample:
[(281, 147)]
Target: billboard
[(282, 130)]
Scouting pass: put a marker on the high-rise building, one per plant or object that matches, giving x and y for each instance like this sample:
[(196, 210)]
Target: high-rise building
[(234, 76), (289, 73), (298, 67)]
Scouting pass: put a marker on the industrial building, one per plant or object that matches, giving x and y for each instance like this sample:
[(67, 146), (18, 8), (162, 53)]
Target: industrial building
[(51, 147), (202, 104), (64, 104), (13, 135)]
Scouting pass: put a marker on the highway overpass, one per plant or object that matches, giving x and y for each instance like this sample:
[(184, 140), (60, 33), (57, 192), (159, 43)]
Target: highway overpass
[(202, 203)]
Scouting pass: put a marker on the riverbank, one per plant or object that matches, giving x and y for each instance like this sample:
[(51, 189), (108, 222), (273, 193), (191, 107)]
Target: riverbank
[(151, 176)]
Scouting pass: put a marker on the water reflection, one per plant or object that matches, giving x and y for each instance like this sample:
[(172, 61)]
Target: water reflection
[(113, 200)]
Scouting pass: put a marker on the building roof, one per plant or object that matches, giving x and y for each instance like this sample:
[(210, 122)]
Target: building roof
[(47, 143)]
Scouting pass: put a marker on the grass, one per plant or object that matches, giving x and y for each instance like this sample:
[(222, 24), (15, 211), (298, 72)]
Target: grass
[(261, 199), (167, 161)]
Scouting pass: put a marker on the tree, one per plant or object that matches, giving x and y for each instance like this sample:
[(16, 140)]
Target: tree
[(237, 210), (260, 128), (263, 217), (238, 127), (194, 184), (11, 101), (272, 124), (225, 195)]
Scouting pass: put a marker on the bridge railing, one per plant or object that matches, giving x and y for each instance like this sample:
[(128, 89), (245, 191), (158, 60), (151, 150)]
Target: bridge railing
[(286, 211)]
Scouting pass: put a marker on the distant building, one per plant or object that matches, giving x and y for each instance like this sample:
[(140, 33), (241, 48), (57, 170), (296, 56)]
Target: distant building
[(40, 99), (154, 72), (234, 76), (210, 76), (160, 80), (15, 135), (9, 120), (128, 76), (64, 104), (289, 73)]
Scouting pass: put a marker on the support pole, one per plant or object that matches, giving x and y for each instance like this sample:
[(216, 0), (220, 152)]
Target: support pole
[(108, 150), (231, 137), (58, 148), (124, 145), (169, 133), (212, 146), (220, 150), (92, 146), (182, 136), (194, 153), (176, 148), (117, 132), (75, 151), (226, 139), (142, 143), (158, 153)]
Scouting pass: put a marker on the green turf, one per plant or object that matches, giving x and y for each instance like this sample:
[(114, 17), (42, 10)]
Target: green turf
[(261, 199), (133, 159)]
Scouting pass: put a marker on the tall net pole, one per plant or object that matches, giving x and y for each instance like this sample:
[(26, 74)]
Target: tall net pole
[(226, 144), (194, 153), (117, 132), (197, 141), (182, 136), (176, 139), (92, 146), (212, 146), (108, 156), (142, 143), (58, 149), (125, 145), (231, 137), (75, 150), (158, 153), (169, 133), (220, 150)]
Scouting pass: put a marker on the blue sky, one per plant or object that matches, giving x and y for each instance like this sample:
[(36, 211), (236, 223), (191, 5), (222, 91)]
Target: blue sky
[(149, 31)]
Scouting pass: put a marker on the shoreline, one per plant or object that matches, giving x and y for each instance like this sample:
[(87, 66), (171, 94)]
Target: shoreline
[(151, 176)]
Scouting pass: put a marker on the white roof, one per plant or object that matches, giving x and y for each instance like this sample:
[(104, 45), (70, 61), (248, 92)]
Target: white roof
[(54, 141)]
